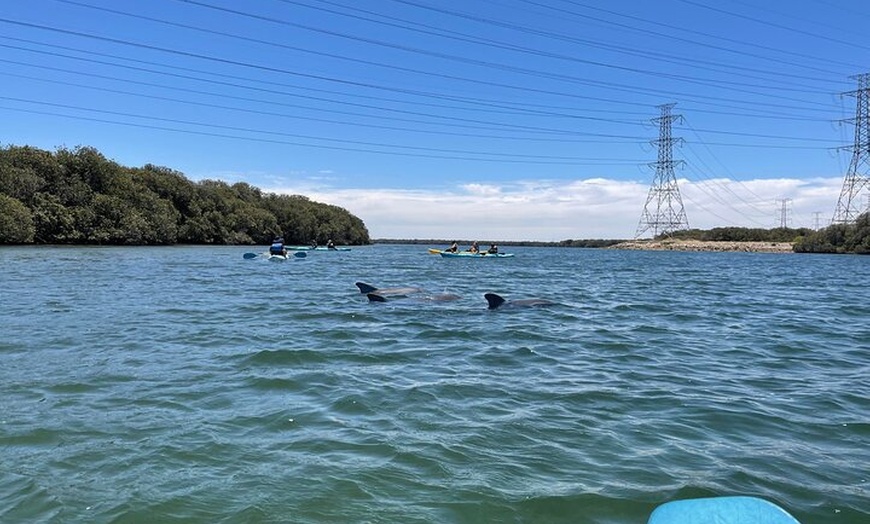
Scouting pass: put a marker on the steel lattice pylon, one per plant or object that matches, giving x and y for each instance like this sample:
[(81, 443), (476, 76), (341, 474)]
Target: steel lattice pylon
[(849, 203), (663, 212)]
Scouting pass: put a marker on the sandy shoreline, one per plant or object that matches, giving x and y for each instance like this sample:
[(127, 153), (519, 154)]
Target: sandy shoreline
[(699, 245)]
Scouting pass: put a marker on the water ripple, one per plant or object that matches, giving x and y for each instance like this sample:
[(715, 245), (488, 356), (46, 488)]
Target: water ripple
[(166, 385)]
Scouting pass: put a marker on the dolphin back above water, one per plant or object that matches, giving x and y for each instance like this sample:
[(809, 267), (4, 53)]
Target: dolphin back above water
[(441, 297), (496, 301), (396, 291)]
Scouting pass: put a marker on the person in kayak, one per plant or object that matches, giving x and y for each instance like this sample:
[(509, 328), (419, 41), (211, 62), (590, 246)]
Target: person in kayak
[(277, 247), (453, 247), (493, 249), (330, 244), (474, 247)]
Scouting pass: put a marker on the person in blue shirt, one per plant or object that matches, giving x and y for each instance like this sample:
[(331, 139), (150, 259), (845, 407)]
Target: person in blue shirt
[(277, 247)]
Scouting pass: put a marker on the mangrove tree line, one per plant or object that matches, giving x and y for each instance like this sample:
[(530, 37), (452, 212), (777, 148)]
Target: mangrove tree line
[(839, 238), (77, 196)]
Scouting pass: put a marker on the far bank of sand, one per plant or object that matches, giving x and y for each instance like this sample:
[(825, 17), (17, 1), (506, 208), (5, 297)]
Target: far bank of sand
[(699, 245)]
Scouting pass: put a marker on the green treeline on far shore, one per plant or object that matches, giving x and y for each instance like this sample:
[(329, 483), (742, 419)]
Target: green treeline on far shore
[(741, 234), (837, 238), (79, 197)]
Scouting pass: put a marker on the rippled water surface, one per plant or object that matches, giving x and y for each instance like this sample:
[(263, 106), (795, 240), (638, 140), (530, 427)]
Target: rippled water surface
[(186, 384)]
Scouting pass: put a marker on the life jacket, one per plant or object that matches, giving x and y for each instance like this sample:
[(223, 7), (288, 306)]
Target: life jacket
[(276, 249)]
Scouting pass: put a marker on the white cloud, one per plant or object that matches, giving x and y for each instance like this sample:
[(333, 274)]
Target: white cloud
[(761, 202), (550, 210), (482, 189)]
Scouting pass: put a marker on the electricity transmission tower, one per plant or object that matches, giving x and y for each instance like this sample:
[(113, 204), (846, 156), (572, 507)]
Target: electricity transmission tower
[(858, 176), (663, 212), (783, 213)]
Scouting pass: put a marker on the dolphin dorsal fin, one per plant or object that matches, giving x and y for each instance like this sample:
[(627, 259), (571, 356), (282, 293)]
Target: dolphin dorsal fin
[(366, 288), (493, 300), (374, 297)]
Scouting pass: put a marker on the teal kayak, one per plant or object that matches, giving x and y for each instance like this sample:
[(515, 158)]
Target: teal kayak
[(466, 254)]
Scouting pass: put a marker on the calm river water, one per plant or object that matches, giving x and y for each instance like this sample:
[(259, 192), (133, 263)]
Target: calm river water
[(187, 384)]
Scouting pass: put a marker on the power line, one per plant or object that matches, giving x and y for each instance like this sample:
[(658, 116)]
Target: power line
[(490, 64), (446, 119), (333, 33), (455, 35), (281, 70), (670, 36), (472, 103), (701, 141), (788, 14), (529, 160), (567, 136), (776, 25), (566, 139)]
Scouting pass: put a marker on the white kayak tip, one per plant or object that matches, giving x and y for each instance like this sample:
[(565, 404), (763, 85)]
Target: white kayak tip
[(721, 510)]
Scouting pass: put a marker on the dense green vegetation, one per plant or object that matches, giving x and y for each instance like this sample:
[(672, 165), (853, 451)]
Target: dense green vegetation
[(838, 238), (740, 234), (79, 197)]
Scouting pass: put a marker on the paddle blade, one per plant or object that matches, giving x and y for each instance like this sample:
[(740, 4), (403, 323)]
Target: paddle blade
[(249, 256), (300, 254)]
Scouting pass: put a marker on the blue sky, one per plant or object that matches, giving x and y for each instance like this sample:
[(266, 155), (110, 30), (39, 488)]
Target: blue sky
[(488, 119)]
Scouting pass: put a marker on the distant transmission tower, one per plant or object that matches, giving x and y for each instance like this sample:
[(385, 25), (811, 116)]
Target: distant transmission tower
[(663, 212), (783, 213), (848, 206)]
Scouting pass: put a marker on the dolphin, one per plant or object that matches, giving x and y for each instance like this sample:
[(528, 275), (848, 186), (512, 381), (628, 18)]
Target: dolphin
[(441, 297), (395, 291), (496, 301)]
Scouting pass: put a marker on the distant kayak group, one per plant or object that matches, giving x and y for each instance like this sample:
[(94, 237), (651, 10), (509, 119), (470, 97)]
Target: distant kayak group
[(278, 247), (279, 251), (472, 252)]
